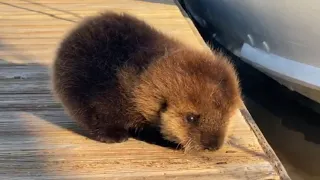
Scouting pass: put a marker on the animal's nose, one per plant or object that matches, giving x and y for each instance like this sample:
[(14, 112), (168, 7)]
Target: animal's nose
[(211, 142)]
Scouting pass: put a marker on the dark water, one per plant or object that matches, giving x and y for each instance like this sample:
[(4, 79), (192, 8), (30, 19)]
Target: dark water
[(295, 141), (291, 128)]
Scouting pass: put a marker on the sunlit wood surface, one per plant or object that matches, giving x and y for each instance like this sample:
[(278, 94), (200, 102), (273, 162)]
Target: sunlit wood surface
[(38, 141)]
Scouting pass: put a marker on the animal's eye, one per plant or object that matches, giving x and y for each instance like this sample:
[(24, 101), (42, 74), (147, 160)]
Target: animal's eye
[(164, 106), (192, 118)]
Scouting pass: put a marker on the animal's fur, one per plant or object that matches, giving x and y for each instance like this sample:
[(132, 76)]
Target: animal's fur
[(114, 72)]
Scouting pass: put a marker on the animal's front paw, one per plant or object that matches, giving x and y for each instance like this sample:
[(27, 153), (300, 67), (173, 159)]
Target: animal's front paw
[(114, 136)]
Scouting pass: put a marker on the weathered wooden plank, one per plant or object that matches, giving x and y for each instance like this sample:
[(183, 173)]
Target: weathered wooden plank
[(38, 142), (9, 102), (22, 79), (15, 71), (31, 31), (22, 86)]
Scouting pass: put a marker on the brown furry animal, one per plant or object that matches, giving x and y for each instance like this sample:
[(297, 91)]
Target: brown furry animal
[(114, 72)]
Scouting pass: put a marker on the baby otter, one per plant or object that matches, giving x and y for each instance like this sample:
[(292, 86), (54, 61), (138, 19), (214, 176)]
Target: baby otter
[(114, 72)]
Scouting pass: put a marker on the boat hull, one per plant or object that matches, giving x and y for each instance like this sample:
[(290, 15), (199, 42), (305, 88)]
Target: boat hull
[(279, 38)]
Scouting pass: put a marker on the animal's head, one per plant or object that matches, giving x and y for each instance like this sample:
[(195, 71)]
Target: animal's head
[(192, 96)]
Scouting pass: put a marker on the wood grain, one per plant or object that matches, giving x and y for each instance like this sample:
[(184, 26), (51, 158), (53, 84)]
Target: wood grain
[(47, 143), (39, 141)]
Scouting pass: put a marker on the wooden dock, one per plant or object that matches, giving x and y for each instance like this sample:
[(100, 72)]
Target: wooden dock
[(38, 141)]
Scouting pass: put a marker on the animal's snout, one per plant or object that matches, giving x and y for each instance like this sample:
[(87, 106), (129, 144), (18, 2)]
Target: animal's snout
[(211, 142)]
